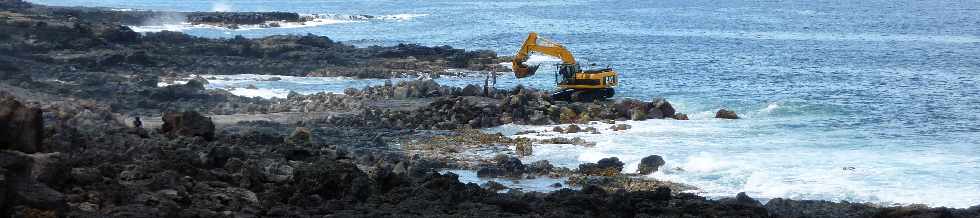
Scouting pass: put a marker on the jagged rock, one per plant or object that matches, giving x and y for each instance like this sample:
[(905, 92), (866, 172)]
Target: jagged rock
[(21, 127), (605, 167), (300, 136), (188, 123), (620, 127), (523, 146), (680, 116), (650, 164), (726, 114)]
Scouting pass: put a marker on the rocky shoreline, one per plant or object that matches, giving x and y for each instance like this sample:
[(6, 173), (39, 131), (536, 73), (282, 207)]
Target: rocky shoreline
[(74, 80)]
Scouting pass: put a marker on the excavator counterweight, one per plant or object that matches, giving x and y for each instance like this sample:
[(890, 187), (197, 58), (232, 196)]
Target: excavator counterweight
[(574, 84)]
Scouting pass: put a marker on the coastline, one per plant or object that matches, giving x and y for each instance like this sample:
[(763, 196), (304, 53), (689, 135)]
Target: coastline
[(341, 162)]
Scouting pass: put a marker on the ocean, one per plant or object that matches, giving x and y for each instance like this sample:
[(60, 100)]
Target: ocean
[(863, 101)]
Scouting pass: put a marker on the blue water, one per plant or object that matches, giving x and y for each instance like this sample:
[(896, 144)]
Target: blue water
[(887, 87)]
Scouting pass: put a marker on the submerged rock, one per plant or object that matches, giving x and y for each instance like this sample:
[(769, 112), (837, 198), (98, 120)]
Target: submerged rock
[(620, 127)]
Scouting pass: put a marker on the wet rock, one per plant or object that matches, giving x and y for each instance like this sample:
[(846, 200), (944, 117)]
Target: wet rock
[(780, 207), (541, 167), (573, 129), (300, 136), (504, 166), (21, 127), (638, 114), (741, 199), (650, 164), (680, 116), (188, 123), (660, 109), (592, 130), (605, 167), (556, 185), (726, 114), (557, 129), (523, 146), (620, 127), (493, 186)]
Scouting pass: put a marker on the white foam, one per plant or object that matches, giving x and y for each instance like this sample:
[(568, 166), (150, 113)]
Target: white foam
[(313, 21), (262, 93), (401, 17)]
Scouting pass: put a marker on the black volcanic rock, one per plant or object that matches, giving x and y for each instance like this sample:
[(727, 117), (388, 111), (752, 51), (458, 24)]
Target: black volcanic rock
[(188, 123), (650, 164), (21, 127)]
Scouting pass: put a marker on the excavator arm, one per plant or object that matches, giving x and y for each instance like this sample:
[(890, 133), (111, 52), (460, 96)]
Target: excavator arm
[(546, 47)]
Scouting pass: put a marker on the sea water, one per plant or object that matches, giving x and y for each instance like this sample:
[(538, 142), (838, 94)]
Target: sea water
[(869, 101)]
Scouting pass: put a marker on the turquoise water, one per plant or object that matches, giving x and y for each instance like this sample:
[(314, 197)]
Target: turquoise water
[(887, 87)]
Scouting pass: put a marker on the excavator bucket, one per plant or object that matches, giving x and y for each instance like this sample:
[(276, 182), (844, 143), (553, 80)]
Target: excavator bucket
[(523, 70)]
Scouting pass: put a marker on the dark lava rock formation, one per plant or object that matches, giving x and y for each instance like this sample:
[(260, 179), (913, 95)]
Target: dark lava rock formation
[(87, 75)]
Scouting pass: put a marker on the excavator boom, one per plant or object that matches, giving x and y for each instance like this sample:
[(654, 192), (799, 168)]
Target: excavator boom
[(546, 47), (573, 83)]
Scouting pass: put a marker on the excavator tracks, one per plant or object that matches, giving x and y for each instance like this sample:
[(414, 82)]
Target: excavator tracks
[(583, 95)]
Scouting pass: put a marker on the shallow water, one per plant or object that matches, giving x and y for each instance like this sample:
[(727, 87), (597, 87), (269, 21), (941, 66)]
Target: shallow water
[(887, 87)]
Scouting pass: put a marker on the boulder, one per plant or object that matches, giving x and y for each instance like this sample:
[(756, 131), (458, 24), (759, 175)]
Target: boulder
[(523, 146), (470, 90), (726, 114), (605, 167), (573, 129), (680, 116), (188, 123), (650, 164), (21, 127), (504, 166)]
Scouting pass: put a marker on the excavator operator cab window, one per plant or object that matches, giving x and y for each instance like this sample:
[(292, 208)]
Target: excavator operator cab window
[(566, 73)]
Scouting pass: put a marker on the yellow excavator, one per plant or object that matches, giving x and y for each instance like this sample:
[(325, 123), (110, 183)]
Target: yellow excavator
[(574, 84)]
